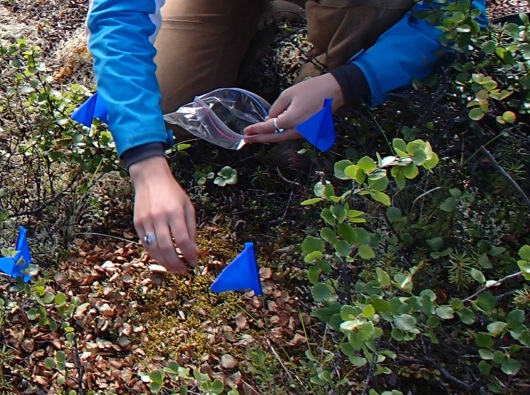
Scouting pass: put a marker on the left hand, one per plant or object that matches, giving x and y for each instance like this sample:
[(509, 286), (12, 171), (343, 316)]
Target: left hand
[(294, 106)]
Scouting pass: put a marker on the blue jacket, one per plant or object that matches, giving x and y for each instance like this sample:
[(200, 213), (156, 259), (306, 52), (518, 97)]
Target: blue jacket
[(121, 36)]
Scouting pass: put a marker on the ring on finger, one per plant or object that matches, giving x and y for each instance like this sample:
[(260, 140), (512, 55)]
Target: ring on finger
[(149, 238), (276, 127)]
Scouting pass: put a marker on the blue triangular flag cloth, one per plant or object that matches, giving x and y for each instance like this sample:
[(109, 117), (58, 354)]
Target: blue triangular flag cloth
[(241, 273), (92, 108), (319, 130), (9, 265)]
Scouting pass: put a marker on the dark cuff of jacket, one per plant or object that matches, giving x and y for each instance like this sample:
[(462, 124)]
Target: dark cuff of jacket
[(137, 154), (352, 83)]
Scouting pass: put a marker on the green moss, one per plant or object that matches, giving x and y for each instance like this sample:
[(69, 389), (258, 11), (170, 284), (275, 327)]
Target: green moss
[(177, 317)]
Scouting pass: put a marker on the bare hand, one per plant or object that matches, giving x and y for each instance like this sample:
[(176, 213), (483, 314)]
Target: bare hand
[(163, 209), (294, 106)]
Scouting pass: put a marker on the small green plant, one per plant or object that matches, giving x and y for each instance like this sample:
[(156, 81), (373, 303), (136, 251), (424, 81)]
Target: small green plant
[(393, 305), (226, 176), (174, 375)]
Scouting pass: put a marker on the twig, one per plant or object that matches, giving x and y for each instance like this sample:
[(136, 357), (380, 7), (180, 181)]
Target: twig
[(509, 178), (449, 377), (285, 178), (423, 195), (491, 285), (287, 206), (105, 235), (79, 368), (282, 365), (369, 376)]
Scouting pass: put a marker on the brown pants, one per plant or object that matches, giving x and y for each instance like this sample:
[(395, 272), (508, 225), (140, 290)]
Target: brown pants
[(202, 44)]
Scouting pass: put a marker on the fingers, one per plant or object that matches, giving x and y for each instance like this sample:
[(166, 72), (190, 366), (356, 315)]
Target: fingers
[(163, 210), (184, 235), (274, 137), (162, 249), (177, 229), (270, 131), (280, 105)]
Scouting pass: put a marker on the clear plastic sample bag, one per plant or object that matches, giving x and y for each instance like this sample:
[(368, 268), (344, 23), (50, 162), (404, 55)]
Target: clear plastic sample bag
[(221, 116)]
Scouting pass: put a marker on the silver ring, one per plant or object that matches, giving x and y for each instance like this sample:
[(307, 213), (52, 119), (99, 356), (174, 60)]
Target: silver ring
[(149, 238), (278, 129)]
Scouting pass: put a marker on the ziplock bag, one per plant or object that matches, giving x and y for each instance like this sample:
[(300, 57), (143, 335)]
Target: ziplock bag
[(220, 116)]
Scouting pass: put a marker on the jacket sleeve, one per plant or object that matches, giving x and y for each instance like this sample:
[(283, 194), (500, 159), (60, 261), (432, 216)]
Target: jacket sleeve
[(407, 50), (121, 36)]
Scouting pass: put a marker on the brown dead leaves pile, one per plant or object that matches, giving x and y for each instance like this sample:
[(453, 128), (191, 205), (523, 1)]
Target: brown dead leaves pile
[(128, 318)]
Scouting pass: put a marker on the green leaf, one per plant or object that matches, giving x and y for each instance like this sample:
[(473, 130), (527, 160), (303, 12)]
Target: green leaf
[(380, 197), (378, 185), (361, 236), (366, 252), (349, 312), (343, 248), (324, 190), (400, 147), (410, 171), (217, 386), (445, 312), (524, 253), (182, 147), (477, 276), (368, 311), (339, 212), (525, 268), (511, 367), (476, 114), (48, 298), (155, 387), (367, 164), (340, 167), (515, 318), (484, 261), (322, 292), (157, 376), (433, 322), (466, 315), (354, 213), (382, 277), (309, 202), (351, 325), (380, 305), (484, 367), (496, 328), (398, 175), (486, 301), (405, 322), (356, 174), (483, 340), (49, 363), (313, 256), (358, 361), (394, 214), (450, 204), (489, 47), (509, 117), (485, 354), (311, 244), (397, 334), (328, 216), (328, 235), (313, 274)]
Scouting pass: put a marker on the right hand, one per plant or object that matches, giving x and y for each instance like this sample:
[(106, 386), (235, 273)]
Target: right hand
[(163, 208)]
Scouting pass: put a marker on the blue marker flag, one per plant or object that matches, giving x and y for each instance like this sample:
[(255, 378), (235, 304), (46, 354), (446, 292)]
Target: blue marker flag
[(9, 264), (319, 130), (241, 273), (92, 108)]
